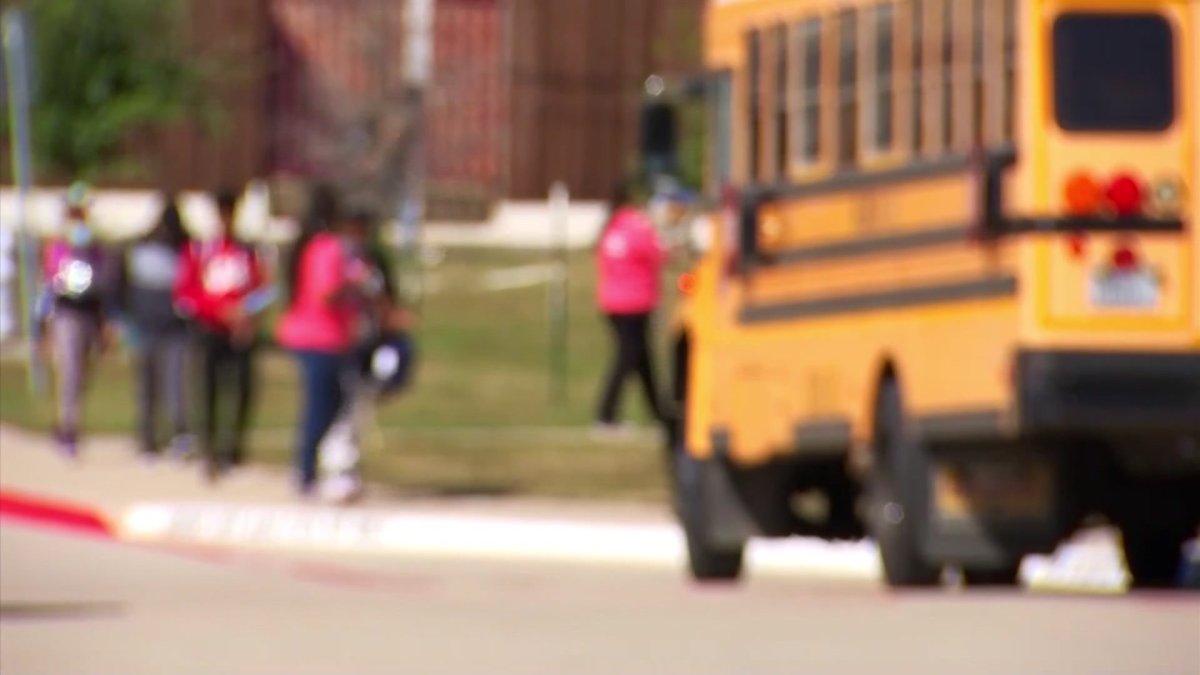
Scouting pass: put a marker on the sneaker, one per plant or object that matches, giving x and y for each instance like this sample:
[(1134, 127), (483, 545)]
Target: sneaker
[(68, 443), (342, 489), (182, 447), (215, 469)]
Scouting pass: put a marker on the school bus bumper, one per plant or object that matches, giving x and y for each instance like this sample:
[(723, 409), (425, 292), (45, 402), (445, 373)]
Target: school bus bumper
[(1075, 392)]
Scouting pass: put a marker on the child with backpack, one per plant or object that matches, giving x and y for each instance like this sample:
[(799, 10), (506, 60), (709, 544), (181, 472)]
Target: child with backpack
[(380, 360), (78, 293)]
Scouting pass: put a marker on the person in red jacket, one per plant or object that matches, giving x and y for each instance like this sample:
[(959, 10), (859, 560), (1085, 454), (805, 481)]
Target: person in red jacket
[(222, 289)]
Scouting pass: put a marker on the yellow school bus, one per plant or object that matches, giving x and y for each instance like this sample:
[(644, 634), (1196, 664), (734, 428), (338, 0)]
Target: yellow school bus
[(951, 297)]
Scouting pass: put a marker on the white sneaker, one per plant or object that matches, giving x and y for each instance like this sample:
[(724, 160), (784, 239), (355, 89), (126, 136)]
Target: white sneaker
[(342, 489)]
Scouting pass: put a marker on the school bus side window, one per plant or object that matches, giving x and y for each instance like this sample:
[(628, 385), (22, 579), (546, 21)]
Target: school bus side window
[(977, 52), (948, 77), (884, 78), (806, 137), (847, 89), (753, 104), (782, 95), (918, 76), (1009, 47), (720, 111)]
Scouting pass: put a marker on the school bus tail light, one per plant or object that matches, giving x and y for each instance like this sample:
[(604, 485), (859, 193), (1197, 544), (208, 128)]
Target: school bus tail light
[(1077, 245), (1125, 194), (1125, 257), (1083, 195)]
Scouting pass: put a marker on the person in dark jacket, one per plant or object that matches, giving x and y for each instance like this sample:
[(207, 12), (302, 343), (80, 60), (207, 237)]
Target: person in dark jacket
[(159, 334)]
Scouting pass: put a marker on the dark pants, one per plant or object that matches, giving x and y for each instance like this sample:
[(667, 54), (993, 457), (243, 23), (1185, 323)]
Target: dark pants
[(321, 375), (162, 378), (74, 334), (632, 356), (226, 375)]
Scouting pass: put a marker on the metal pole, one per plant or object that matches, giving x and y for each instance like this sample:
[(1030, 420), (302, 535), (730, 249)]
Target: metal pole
[(418, 67), (16, 49), (557, 292)]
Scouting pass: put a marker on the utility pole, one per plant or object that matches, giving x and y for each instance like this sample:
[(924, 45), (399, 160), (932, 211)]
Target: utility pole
[(18, 76), (418, 66)]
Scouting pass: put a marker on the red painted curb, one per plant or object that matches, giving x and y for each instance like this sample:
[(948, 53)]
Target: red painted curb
[(53, 513)]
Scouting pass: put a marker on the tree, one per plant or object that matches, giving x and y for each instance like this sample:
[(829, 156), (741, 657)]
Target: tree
[(107, 68), (357, 126)]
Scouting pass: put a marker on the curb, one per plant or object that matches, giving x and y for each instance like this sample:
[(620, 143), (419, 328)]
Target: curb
[(1089, 566), (362, 531), (373, 532), (55, 514)]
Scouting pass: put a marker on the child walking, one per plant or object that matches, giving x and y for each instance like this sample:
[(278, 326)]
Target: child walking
[(380, 359), (160, 335), (78, 278), (223, 289)]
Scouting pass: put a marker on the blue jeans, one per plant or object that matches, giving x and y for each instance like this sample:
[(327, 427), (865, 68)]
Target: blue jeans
[(321, 376)]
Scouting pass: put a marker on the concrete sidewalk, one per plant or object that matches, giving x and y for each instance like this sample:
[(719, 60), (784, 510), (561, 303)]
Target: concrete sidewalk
[(109, 476)]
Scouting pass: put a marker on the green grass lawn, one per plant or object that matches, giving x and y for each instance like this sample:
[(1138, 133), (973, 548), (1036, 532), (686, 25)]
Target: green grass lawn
[(483, 391)]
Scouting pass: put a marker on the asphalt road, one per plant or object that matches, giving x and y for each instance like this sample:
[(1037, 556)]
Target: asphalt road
[(76, 605)]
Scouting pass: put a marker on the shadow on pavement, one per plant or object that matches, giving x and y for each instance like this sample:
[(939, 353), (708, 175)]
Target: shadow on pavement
[(60, 610)]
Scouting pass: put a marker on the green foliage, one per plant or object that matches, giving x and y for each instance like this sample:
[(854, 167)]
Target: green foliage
[(107, 68)]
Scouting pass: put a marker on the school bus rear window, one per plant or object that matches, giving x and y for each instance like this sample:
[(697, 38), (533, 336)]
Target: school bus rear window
[(1114, 72)]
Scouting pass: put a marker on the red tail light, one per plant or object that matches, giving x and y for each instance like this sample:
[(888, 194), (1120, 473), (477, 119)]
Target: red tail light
[(1082, 194), (1125, 258), (1125, 195), (1076, 244)]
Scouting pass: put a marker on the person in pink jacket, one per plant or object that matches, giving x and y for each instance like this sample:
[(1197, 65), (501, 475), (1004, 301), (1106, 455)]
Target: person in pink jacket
[(318, 326), (630, 259)]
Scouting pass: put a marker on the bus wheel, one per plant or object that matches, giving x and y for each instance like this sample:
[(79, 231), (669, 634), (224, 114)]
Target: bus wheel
[(1005, 576), (1153, 560), (708, 560), (1153, 531), (899, 495)]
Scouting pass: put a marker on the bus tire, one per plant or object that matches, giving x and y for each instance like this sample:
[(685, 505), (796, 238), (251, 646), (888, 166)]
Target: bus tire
[(1152, 558), (899, 494), (1153, 531), (1007, 576), (707, 560)]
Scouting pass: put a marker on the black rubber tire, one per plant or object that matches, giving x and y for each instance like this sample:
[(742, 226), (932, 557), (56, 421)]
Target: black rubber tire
[(706, 560), (1154, 558), (1154, 528), (994, 578), (900, 495)]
